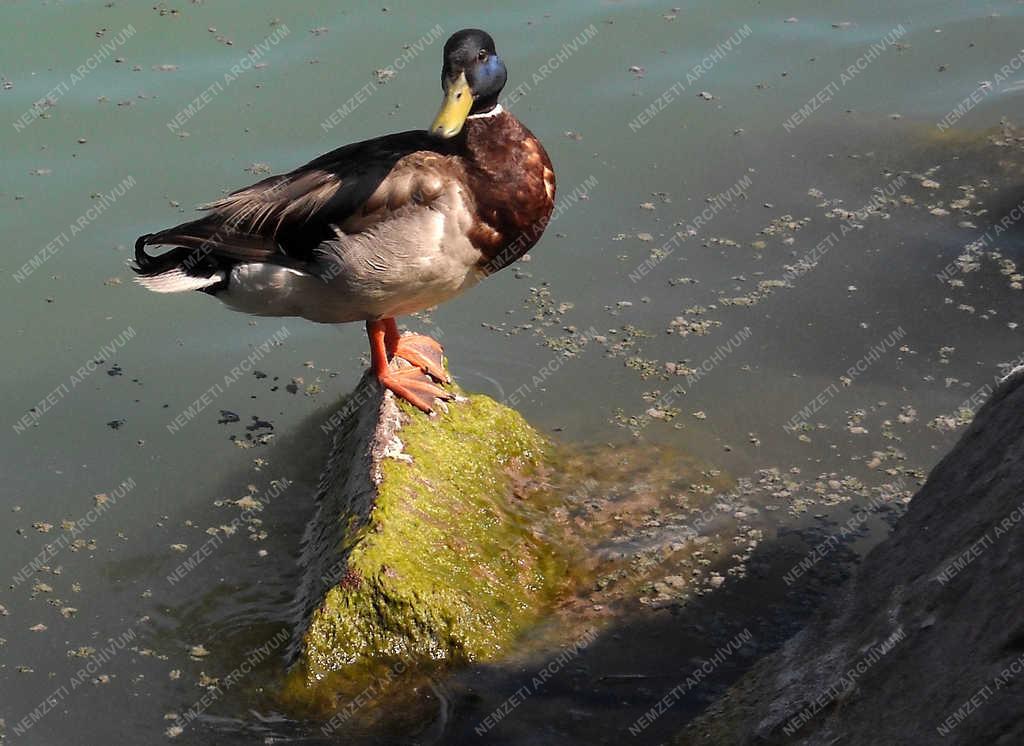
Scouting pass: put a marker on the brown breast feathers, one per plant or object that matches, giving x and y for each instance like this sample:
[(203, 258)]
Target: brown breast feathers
[(513, 185)]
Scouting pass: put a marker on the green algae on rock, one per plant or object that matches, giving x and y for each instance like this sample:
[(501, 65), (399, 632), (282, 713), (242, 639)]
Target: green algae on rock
[(422, 548)]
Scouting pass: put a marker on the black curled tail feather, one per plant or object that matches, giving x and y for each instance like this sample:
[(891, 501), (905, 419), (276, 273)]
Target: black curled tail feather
[(148, 264), (143, 261), (196, 262)]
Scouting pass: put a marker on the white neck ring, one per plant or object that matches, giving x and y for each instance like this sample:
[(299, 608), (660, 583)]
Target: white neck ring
[(492, 113)]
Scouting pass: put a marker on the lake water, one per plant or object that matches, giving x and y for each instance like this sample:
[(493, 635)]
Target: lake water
[(806, 336)]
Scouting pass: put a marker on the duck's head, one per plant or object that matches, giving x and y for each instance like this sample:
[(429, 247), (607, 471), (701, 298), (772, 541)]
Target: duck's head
[(472, 77)]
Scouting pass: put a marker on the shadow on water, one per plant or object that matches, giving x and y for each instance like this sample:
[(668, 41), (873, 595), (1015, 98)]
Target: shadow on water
[(641, 659)]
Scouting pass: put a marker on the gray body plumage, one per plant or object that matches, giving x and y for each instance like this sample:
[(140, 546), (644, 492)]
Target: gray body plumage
[(417, 258), (404, 249)]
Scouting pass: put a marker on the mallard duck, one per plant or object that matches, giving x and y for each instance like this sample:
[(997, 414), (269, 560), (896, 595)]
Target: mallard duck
[(379, 228)]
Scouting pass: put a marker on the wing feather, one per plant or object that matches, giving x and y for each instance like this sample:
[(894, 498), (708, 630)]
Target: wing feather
[(286, 216)]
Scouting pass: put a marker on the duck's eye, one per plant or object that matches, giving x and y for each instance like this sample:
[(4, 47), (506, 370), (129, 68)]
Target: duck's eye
[(482, 55)]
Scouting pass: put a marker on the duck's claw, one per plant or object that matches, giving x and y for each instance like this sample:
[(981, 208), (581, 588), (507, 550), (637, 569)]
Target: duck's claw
[(413, 385), (423, 352)]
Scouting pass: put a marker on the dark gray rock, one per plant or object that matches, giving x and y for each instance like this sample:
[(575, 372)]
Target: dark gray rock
[(925, 645)]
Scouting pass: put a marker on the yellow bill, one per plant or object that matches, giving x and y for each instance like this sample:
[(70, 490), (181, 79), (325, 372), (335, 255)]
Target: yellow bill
[(458, 100)]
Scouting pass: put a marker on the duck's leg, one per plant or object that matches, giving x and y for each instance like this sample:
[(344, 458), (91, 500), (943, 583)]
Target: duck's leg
[(416, 349), (410, 384)]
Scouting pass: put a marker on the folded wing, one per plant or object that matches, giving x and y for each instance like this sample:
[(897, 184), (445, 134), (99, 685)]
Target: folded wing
[(283, 218)]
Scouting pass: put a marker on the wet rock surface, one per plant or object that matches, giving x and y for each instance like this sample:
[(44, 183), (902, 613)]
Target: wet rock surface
[(424, 546)]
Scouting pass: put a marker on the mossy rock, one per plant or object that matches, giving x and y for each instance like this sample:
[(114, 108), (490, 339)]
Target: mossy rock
[(428, 543)]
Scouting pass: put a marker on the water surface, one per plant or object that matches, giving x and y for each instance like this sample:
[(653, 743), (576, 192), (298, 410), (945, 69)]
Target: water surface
[(121, 366)]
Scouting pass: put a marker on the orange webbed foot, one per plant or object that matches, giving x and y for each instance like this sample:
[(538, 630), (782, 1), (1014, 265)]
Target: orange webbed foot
[(413, 385), (423, 352)]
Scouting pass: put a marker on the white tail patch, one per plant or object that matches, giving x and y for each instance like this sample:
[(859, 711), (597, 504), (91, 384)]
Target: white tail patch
[(178, 281)]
